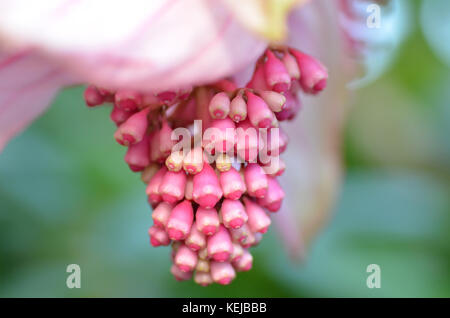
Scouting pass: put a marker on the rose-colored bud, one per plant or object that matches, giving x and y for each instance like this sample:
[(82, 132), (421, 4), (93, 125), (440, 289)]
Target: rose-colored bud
[(255, 180), (290, 109), (314, 75), (128, 100), (258, 111), (152, 189), (241, 234), (274, 100), (232, 214), (247, 144), (185, 259), (258, 220), (149, 172), (119, 116), (223, 162), (155, 151), (137, 156), (161, 214), (174, 161), (274, 197), (277, 77), (222, 272), (275, 168), (172, 186), (193, 161), (202, 265), (219, 106), (133, 129), (180, 221), (196, 240), (165, 139), (258, 80), (158, 236), (179, 274), (207, 191), (244, 263), (219, 245), (232, 184), (203, 278), (220, 137), (250, 240), (238, 109), (189, 188), (207, 220), (93, 97), (291, 66), (238, 251)]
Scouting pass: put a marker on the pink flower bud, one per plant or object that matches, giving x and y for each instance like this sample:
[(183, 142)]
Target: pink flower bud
[(274, 100), (179, 274), (232, 184), (93, 97), (223, 162), (158, 236), (222, 272), (133, 129), (165, 139), (244, 263), (219, 106), (220, 137), (161, 214), (258, 80), (258, 111), (196, 240), (207, 191), (258, 220), (255, 180), (247, 144), (180, 221), (314, 75), (274, 197), (207, 220), (291, 66), (238, 251), (203, 278), (219, 245), (241, 234), (249, 240), (152, 191), (275, 169), (193, 162), (185, 259), (238, 109), (232, 214), (174, 161), (277, 77), (172, 186), (155, 149), (128, 100), (119, 116), (137, 156)]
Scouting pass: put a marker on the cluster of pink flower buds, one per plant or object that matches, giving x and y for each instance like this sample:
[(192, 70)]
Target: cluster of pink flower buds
[(212, 198)]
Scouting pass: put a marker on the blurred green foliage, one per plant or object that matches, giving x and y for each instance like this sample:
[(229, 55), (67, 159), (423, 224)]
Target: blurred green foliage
[(67, 197)]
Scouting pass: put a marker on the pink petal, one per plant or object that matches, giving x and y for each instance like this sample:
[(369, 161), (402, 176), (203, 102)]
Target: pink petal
[(151, 45), (27, 85)]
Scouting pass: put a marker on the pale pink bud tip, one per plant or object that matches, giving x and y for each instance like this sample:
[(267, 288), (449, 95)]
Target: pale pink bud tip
[(207, 220), (133, 129), (219, 107), (314, 75), (238, 109), (233, 185), (158, 236), (203, 279), (196, 240), (185, 259), (277, 76), (276, 101), (258, 220), (137, 155), (219, 245), (128, 100), (233, 214), (244, 263), (180, 221), (259, 112), (172, 186), (152, 190), (193, 162), (93, 97), (274, 197), (179, 274), (222, 272), (161, 214)]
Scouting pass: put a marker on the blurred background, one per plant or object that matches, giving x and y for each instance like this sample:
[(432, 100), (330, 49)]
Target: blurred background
[(66, 196)]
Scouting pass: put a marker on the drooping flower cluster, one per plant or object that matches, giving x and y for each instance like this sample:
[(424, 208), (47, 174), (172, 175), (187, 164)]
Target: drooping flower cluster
[(210, 158)]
